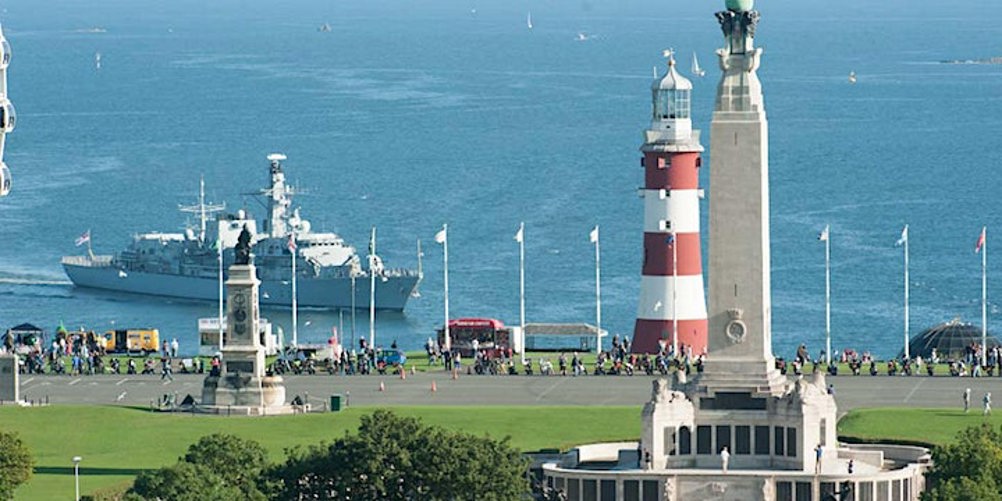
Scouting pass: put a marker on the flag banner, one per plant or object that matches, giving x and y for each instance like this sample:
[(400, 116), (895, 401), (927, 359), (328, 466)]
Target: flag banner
[(593, 236), (292, 242), (823, 236), (981, 242), (441, 236), (519, 236), (82, 239), (904, 236)]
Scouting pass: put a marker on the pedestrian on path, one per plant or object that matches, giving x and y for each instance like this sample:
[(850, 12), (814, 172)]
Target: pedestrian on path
[(165, 369), (967, 400), (725, 457)]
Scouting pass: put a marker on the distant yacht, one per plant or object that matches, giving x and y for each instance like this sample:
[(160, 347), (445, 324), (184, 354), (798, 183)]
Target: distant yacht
[(324, 28), (696, 70), (528, 20), (852, 77), (582, 36), (97, 60)]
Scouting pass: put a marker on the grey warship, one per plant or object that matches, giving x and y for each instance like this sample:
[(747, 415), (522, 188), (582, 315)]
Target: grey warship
[(329, 272)]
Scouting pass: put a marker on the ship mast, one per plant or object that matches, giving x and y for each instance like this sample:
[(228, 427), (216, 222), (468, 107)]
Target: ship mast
[(279, 198), (202, 209)]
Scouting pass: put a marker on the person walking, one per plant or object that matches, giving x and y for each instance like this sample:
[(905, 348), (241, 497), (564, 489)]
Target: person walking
[(987, 400), (165, 369), (818, 453), (967, 400), (725, 457)]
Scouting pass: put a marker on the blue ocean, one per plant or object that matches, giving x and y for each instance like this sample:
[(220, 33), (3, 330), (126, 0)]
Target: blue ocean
[(408, 115)]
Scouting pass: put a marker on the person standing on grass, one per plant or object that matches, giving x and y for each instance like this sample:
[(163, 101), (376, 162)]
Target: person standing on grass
[(988, 403)]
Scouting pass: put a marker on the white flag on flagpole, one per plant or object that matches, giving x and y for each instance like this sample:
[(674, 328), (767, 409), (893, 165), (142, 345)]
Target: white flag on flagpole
[(904, 236), (519, 236), (441, 236), (823, 237), (82, 239), (594, 235)]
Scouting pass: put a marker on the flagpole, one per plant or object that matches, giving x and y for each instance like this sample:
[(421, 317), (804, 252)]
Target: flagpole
[(828, 296), (521, 283), (984, 297), (907, 336), (219, 249), (295, 318), (674, 294), (598, 295), (372, 290), (353, 278), (90, 251), (445, 276)]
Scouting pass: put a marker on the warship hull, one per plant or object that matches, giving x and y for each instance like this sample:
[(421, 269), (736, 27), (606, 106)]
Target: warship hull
[(327, 293)]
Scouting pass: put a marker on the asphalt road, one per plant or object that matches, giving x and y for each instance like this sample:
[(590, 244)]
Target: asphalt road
[(850, 391)]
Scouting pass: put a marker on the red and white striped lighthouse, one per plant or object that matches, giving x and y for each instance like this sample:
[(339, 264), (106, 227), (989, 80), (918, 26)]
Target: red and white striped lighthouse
[(672, 308)]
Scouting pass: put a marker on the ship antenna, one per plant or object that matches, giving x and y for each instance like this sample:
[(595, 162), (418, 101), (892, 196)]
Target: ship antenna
[(202, 209)]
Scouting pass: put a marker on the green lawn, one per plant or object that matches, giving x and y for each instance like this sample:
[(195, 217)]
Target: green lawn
[(925, 426), (117, 442)]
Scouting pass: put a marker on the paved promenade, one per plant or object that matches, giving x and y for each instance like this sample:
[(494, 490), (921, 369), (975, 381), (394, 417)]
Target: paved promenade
[(851, 391)]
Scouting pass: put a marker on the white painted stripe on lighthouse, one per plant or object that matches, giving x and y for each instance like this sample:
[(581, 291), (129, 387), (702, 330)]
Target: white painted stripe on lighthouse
[(656, 298), (684, 204)]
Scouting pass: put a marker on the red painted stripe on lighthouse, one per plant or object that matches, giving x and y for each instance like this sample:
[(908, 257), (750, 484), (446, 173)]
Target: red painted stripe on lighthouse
[(647, 333), (679, 171), (658, 254)]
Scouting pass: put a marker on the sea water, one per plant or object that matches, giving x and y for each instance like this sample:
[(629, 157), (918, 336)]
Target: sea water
[(408, 115)]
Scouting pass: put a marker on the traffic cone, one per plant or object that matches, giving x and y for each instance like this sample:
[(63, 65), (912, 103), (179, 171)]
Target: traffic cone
[(382, 386), (434, 388)]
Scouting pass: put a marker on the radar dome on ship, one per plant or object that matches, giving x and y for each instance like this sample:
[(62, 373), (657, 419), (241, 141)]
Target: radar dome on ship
[(740, 5)]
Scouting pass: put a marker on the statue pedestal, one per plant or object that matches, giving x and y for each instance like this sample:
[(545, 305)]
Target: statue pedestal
[(242, 386)]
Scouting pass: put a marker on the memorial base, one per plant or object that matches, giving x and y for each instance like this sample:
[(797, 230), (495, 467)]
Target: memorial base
[(245, 395)]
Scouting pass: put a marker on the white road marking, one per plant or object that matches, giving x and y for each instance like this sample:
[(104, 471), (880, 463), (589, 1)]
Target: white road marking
[(122, 381), (910, 393), (75, 381), (26, 381)]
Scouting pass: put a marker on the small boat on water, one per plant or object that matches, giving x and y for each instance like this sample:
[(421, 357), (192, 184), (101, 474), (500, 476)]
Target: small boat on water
[(696, 70), (852, 77), (324, 28), (528, 20), (582, 37)]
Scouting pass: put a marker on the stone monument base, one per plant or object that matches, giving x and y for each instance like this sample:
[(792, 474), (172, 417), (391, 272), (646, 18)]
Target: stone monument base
[(245, 395)]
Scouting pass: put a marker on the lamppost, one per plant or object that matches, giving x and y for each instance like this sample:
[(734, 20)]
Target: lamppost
[(76, 475)]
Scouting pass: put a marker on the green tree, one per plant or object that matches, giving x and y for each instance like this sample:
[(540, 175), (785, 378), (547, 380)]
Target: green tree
[(16, 463), (398, 458), (968, 468), (183, 482), (218, 466), (237, 461)]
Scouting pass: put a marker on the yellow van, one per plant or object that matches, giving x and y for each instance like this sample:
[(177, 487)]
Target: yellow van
[(132, 341)]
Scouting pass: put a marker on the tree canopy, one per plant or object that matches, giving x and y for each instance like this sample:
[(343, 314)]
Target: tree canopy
[(967, 469), (390, 458), (399, 458), (16, 463), (218, 466)]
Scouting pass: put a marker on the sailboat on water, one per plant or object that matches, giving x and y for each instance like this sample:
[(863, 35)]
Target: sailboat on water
[(528, 20), (696, 70)]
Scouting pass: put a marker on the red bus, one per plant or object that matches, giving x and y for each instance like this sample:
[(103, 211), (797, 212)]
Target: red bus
[(490, 334)]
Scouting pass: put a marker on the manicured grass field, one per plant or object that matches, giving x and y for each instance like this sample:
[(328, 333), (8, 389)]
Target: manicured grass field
[(925, 426), (117, 442)]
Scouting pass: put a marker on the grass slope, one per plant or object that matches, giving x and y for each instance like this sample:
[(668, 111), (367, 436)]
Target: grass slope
[(117, 442), (926, 426)]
